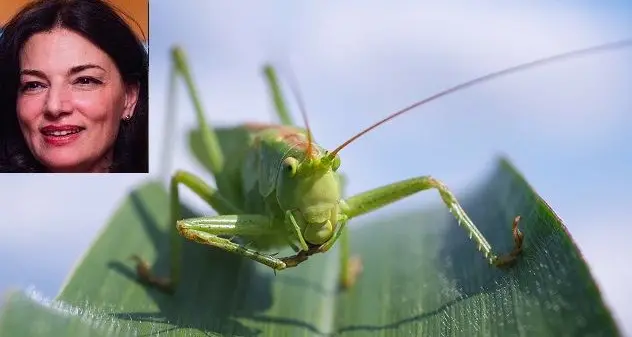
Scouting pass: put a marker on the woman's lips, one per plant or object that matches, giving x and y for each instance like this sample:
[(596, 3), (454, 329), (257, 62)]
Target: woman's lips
[(60, 135)]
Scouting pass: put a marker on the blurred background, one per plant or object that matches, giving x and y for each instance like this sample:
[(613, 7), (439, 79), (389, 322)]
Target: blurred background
[(566, 126)]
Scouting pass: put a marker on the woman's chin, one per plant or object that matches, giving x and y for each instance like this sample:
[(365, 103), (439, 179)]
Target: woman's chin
[(60, 162), (73, 159)]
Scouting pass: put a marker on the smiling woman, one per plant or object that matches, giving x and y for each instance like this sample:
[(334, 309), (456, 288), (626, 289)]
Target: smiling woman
[(73, 90)]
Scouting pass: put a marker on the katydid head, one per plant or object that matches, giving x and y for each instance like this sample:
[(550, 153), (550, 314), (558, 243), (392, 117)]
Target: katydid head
[(308, 187)]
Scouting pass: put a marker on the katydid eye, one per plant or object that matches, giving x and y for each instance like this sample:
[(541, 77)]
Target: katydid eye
[(335, 164), (289, 165)]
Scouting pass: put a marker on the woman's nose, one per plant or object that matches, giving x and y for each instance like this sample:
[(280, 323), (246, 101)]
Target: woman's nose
[(58, 101)]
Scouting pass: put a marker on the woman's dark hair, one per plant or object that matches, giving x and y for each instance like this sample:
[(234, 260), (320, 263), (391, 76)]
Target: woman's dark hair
[(98, 22)]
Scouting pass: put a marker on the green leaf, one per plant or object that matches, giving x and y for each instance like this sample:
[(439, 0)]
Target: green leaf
[(422, 277), (29, 314)]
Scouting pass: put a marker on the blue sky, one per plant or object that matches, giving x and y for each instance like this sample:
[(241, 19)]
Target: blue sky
[(565, 126)]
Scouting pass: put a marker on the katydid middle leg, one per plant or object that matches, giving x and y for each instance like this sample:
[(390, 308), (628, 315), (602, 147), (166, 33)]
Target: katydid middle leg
[(382, 196), (212, 197), (350, 266), (207, 230)]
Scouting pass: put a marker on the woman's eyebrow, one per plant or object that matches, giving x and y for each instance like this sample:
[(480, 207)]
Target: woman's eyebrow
[(80, 68), (72, 71), (32, 72)]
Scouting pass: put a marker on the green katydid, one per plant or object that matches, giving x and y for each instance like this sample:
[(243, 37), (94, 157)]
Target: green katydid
[(280, 188)]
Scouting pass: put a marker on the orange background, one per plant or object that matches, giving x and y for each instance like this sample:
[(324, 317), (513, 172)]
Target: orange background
[(137, 9)]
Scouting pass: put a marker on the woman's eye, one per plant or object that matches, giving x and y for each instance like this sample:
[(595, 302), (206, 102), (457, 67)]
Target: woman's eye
[(87, 81), (31, 86)]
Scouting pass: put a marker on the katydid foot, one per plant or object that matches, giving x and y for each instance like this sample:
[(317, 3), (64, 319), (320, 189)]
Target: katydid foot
[(349, 274), (509, 259), (145, 276)]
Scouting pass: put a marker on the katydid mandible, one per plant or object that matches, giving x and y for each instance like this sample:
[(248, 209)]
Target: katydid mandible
[(280, 188)]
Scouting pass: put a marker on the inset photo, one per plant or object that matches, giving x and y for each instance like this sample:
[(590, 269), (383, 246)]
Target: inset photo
[(74, 86)]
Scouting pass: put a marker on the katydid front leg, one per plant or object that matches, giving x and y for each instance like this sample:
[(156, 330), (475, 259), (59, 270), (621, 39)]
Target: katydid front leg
[(350, 266), (382, 196), (206, 230)]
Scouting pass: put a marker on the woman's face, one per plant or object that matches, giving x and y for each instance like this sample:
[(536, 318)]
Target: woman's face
[(71, 99)]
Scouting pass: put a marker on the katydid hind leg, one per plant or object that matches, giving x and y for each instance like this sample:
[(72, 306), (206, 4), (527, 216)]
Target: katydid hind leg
[(208, 194), (382, 196), (169, 129), (277, 96), (209, 137)]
